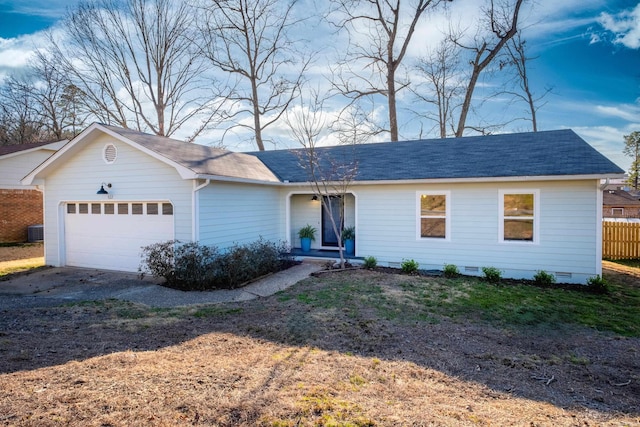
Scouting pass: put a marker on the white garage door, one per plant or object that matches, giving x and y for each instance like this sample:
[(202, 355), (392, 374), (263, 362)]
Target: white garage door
[(110, 235)]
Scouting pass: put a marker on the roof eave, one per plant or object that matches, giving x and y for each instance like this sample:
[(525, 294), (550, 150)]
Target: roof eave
[(472, 180), (237, 179)]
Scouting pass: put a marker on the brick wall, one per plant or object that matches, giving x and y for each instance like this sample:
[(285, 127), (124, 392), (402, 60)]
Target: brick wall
[(18, 210)]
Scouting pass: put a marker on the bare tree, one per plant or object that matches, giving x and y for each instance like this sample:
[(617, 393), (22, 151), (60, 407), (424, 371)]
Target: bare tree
[(502, 22), (58, 99), (380, 32), (329, 176), (517, 58), (443, 84), (20, 118), (251, 41), (135, 63)]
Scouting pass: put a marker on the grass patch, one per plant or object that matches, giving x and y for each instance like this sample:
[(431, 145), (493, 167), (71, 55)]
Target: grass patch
[(635, 263), (419, 299), (13, 267), (525, 305)]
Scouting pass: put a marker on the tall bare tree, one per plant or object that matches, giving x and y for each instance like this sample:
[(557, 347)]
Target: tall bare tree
[(20, 118), (500, 25), (443, 85), (380, 32), (517, 58), (136, 65), (59, 101), (251, 41)]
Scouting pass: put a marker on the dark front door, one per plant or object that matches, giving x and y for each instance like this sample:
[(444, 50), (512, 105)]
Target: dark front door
[(334, 205)]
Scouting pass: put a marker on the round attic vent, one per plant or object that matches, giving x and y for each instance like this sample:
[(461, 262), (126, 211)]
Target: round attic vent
[(110, 153)]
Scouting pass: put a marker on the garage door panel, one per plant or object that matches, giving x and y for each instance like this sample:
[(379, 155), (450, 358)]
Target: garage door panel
[(113, 240)]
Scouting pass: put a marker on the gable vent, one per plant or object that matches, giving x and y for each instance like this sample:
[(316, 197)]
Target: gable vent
[(110, 153)]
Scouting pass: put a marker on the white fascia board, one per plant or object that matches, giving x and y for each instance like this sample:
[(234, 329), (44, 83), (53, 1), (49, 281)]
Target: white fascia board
[(238, 180), (470, 180)]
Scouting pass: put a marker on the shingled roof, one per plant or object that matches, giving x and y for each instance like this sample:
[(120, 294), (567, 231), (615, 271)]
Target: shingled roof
[(201, 159), (532, 154)]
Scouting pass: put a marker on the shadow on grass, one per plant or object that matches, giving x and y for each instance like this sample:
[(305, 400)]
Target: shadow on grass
[(526, 351)]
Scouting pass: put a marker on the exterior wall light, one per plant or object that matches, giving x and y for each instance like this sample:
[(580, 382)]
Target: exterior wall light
[(102, 190)]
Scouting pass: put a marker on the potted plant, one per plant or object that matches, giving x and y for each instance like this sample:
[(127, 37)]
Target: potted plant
[(307, 234), (349, 236)]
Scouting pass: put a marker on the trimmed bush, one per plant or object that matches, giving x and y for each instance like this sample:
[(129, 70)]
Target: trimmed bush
[(370, 262), (409, 266), (451, 271), (191, 266), (492, 274), (598, 285), (542, 278)]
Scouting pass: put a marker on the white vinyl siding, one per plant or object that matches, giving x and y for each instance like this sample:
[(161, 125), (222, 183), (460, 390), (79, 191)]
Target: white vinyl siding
[(239, 213), (135, 176), (15, 166), (567, 228)]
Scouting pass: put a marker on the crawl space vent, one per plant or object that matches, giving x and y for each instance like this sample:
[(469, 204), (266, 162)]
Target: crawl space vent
[(110, 153)]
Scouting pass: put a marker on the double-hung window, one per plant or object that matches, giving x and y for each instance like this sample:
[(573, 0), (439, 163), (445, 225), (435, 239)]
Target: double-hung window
[(519, 216), (433, 215)]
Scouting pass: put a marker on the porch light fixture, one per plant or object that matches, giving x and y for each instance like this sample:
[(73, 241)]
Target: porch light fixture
[(314, 198), (102, 190)]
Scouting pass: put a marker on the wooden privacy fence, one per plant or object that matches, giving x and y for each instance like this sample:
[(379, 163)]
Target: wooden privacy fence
[(620, 240)]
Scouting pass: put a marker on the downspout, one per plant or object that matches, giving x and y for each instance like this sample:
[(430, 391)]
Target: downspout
[(195, 203)]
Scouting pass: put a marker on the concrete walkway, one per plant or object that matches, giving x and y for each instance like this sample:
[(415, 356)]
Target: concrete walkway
[(78, 284)]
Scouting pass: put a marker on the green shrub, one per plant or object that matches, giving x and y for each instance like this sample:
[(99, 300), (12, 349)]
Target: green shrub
[(409, 266), (191, 266), (598, 285), (451, 271), (542, 278), (492, 274), (370, 262)]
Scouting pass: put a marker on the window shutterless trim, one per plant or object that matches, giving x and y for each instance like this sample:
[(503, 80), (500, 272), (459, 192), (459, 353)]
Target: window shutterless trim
[(446, 216), (536, 216)]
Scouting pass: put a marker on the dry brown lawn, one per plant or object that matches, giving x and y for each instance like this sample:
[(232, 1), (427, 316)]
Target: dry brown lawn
[(282, 361)]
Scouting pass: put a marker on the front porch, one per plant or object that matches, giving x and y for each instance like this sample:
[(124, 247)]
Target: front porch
[(328, 254), (305, 208)]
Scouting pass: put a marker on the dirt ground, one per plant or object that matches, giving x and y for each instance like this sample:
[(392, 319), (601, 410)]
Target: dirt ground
[(21, 252), (280, 362)]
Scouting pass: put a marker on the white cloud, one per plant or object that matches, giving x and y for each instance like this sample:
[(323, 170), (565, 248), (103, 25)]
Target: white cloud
[(621, 111), (609, 141), (624, 25)]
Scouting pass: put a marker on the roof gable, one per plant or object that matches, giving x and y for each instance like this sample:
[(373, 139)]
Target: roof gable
[(532, 154), (190, 160)]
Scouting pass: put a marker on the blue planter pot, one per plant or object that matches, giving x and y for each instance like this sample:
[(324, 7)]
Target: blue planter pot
[(305, 244), (350, 246)]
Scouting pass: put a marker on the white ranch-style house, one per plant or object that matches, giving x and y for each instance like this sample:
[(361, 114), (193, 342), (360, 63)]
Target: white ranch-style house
[(518, 202)]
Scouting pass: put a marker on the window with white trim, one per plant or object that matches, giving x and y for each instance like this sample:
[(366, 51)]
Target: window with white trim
[(519, 216), (433, 215)]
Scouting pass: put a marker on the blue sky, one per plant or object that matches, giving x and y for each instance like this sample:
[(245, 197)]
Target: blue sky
[(588, 51)]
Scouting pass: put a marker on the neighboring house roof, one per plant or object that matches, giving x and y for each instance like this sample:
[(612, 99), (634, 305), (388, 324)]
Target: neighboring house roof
[(533, 154), (50, 145), (619, 198), (16, 161)]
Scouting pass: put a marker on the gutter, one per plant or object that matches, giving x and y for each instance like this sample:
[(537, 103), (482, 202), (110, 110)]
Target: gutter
[(195, 209)]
